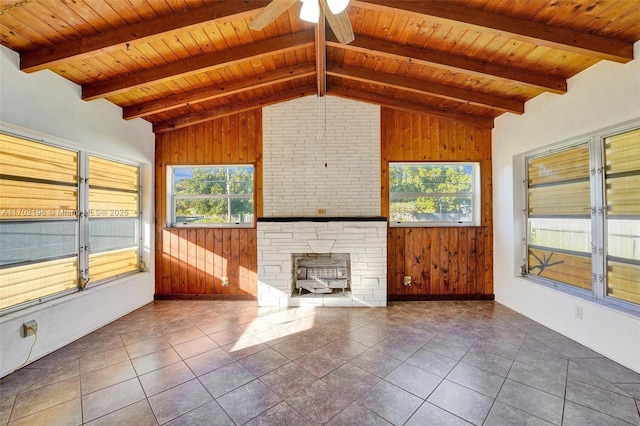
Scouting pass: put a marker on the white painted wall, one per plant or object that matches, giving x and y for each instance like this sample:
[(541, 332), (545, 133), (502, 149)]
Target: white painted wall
[(605, 95), (295, 150), (45, 106)]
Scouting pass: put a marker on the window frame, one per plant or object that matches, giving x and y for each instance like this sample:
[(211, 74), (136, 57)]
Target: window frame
[(88, 215), (598, 217), (476, 196), (172, 198), (81, 220)]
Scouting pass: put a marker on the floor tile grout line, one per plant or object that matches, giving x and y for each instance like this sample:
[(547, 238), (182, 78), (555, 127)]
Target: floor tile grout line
[(598, 411), (506, 377), (391, 321), (501, 386)]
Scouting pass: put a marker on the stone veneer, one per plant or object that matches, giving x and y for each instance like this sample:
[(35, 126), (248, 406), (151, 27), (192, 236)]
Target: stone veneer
[(306, 166), (365, 241)]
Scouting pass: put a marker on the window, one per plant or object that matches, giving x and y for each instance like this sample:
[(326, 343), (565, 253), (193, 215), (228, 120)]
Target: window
[(211, 195), (53, 237), (621, 209), (559, 220), (434, 194), (113, 218), (583, 216)]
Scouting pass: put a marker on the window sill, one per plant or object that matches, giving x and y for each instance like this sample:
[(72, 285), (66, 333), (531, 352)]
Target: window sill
[(213, 226), (614, 305), (433, 225), (52, 301)]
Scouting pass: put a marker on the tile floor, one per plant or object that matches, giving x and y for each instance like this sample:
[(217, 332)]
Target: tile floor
[(413, 363)]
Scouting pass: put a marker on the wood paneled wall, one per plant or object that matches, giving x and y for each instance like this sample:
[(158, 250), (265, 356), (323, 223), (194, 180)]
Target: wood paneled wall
[(442, 262), (191, 261)]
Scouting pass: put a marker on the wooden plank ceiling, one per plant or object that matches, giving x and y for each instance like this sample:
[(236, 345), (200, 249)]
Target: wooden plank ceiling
[(179, 62)]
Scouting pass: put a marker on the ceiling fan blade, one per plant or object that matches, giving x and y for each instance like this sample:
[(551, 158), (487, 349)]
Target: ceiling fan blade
[(270, 13), (340, 24)]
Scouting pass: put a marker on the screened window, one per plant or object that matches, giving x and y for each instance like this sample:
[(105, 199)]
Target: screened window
[(559, 220), (57, 232), (583, 216), (38, 220), (212, 195), (622, 212), (434, 194), (113, 218)]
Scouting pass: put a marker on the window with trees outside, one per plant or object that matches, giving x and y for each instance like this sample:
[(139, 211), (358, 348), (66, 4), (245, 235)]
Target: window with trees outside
[(434, 194), (583, 217), (220, 195), (67, 219)]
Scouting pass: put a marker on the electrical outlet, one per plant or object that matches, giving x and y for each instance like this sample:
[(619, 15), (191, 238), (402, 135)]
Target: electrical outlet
[(407, 280), (29, 328), (321, 211), (224, 281), (578, 312)]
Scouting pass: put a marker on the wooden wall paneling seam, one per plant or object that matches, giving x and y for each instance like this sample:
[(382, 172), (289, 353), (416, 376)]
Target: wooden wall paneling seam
[(200, 142), (183, 272), (209, 262), (235, 261), (398, 154), (226, 256), (472, 276), (200, 244), (418, 263), (434, 264), (218, 269), (191, 145), (191, 261), (399, 261), (408, 260), (232, 138), (242, 138), (243, 261)]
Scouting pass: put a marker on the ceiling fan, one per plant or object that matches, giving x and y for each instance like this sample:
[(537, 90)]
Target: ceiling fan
[(334, 10)]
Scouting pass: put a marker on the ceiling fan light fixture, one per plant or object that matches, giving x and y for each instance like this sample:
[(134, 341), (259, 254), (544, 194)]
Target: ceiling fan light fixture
[(310, 11), (337, 6)]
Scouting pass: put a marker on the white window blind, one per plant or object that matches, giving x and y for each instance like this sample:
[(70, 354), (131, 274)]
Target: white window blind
[(65, 219)]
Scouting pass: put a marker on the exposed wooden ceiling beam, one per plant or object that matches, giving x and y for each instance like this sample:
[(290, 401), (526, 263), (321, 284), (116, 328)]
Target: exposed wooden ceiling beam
[(425, 88), (140, 32), (192, 119), (403, 105), (218, 91), (197, 64), (454, 63), (507, 26), (321, 55)]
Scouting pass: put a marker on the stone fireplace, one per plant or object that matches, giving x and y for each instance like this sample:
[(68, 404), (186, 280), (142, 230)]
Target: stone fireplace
[(321, 198), (345, 257)]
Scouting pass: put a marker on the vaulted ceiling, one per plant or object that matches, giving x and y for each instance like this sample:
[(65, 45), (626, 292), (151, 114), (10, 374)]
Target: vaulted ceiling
[(181, 62)]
